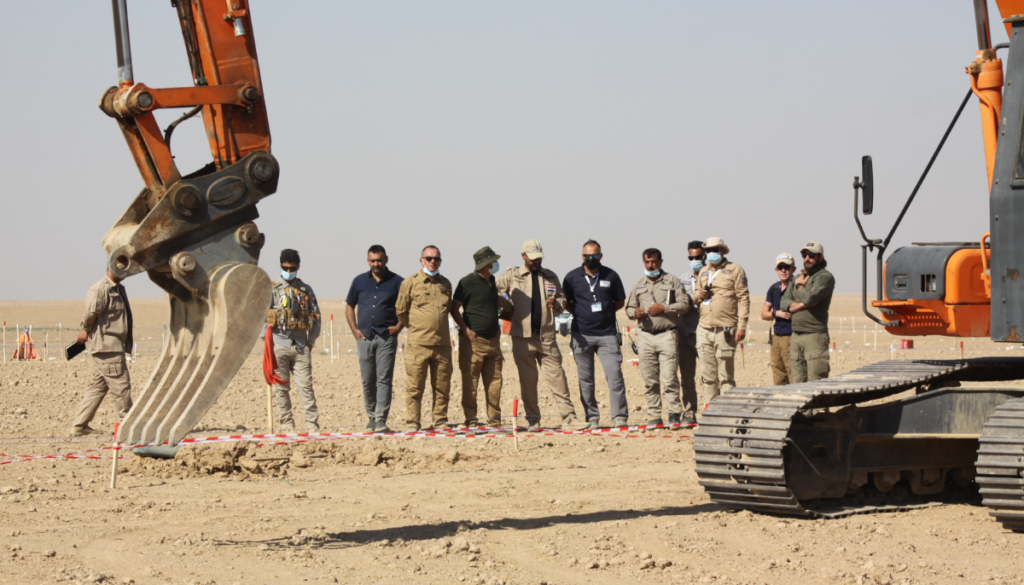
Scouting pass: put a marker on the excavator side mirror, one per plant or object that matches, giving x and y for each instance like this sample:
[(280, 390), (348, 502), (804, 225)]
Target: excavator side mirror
[(867, 185)]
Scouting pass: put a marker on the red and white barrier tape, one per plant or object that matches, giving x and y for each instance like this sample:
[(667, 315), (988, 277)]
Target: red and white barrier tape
[(455, 433)]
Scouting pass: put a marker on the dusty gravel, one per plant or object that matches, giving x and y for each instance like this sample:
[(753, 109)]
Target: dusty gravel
[(561, 510)]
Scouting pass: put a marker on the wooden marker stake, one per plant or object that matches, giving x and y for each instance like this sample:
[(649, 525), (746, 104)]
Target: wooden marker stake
[(961, 350), (332, 338), (515, 422), (743, 356), (270, 407), (113, 465)]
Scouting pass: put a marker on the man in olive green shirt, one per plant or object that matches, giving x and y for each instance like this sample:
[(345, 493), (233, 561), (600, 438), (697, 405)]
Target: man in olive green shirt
[(809, 302), (424, 302)]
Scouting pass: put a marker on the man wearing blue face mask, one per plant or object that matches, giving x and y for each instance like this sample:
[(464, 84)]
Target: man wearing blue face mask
[(295, 320), (655, 303), (725, 308), (689, 357)]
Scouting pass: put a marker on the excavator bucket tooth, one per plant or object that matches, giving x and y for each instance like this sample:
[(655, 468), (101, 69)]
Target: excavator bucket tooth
[(210, 337)]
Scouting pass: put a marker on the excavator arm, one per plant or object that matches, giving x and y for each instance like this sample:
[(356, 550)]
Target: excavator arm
[(194, 234)]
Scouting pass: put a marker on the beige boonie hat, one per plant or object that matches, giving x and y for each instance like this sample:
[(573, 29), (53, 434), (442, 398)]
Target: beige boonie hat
[(784, 258), (716, 243), (813, 248), (533, 249)]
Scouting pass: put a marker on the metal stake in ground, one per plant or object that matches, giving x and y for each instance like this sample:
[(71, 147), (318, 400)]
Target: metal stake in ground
[(515, 422), (113, 466)]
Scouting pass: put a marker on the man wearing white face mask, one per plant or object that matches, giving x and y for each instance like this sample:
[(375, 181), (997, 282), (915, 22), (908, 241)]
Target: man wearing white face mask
[(480, 336), (295, 318), (725, 308), (424, 303)]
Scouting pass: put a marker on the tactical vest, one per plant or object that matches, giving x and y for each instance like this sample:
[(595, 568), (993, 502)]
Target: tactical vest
[(294, 308)]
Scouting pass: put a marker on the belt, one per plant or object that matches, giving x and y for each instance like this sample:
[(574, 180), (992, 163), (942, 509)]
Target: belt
[(658, 332), (808, 332)]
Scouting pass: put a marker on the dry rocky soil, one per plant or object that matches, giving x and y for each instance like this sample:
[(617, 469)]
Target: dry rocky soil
[(563, 509)]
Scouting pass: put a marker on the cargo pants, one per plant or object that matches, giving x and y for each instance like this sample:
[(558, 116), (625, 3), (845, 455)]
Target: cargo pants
[(717, 360), (780, 360), (535, 356), (809, 357), (298, 363), (110, 374), (421, 361), (481, 359), (659, 359), (688, 360)]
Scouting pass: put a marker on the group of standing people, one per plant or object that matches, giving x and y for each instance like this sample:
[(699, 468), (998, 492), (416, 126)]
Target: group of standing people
[(681, 323)]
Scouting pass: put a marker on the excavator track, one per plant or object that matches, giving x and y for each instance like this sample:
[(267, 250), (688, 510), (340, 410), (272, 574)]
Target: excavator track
[(1001, 465), (740, 446)]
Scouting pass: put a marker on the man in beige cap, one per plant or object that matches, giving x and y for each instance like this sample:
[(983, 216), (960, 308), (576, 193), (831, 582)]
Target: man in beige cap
[(725, 307), (782, 329), (536, 296), (655, 303), (808, 301)]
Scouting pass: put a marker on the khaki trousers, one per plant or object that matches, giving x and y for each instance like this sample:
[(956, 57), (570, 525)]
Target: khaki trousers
[(659, 359), (688, 360), (298, 363), (533, 356), (481, 359), (109, 374), (808, 354), (781, 370), (717, 352), (421, 361)]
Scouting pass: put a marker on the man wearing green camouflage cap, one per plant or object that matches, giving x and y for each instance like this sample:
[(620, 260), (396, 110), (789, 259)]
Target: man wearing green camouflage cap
[(475, 310), (809, 301)]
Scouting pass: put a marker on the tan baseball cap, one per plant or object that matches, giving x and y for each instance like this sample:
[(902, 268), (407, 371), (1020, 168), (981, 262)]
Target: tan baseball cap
[(784, 258), (533, 249), (813, 248), (716, 243)]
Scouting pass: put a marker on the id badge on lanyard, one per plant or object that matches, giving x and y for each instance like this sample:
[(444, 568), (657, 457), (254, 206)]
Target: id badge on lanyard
[(595, 307), (711, 280)]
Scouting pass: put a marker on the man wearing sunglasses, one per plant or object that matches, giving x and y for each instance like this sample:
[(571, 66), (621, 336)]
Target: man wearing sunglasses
[(725, 307), (295, 317), (423, 306), (809, 300), (593, 294), (688, 323), (782, 329)]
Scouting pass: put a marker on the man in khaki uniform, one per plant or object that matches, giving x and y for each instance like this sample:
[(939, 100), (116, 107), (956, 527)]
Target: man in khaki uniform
[(809, 301), (107, 335), (725, 308), (536, 296), (423, 306), (655, 303)]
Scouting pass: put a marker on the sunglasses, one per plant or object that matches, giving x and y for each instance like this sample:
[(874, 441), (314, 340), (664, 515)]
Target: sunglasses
[(782, 267), (591, 256), (289, 268), (712, 249), (809, 254), (432, 258), (701, 257)]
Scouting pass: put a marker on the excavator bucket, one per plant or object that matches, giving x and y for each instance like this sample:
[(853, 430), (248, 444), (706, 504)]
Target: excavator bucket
[(194, 234)]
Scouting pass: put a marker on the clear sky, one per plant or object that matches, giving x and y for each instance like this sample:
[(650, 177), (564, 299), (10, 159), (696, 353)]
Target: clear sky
[(468, 123)]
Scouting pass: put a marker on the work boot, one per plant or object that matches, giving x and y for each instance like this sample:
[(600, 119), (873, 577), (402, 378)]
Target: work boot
[(690, 419), (286, 428), (412, 427), (312, 428), (673, 419), (620, 421), (654, 422), (594, 424), (381, 428), (84, 431), (534, 427), (571, 423)]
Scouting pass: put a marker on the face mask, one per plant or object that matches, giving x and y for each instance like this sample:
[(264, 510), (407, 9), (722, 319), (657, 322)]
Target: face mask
[(652, 273), (696, 265), (289, 276), (494, 267), (592, 263), (429, 273), (714, 258)]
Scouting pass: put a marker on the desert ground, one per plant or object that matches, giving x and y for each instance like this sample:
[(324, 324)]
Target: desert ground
[(616, 508)]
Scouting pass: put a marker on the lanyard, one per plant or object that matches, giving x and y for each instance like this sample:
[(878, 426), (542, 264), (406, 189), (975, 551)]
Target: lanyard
[(592, 285), (712, 274)]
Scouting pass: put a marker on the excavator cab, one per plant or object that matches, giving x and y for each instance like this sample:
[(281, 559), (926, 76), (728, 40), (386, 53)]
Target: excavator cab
[(194, 234)]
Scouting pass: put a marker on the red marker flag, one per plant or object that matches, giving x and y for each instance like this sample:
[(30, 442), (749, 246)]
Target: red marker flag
[(270, 360)]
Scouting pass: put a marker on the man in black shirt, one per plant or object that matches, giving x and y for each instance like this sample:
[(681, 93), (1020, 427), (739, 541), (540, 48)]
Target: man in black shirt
[(782, 329), (479, 337), (594, 293)]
